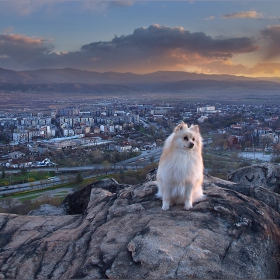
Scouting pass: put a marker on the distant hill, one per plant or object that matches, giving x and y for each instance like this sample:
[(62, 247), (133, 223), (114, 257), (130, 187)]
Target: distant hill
[(69, 75), (68, 88), (176, 83), (223, 85)]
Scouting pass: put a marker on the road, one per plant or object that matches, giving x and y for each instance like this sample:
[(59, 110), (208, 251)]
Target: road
[(37, 185)]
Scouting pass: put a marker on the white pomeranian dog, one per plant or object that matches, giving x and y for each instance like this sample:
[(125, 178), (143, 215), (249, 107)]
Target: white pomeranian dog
[(180, 170)]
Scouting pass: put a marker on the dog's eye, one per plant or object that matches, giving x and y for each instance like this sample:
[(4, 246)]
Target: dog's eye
[(186, 138), (193, 139)]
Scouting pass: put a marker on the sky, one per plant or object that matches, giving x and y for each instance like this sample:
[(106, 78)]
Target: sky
[(212, 37)]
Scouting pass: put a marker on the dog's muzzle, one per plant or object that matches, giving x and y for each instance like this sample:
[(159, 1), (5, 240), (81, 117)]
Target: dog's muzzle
[(191, 145)]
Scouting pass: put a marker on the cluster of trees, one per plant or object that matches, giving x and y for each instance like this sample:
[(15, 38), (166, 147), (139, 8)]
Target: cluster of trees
[(220, 165), (134, 177), (220, 141), (4, 138), (153, 133), (276, 154), (80, 157), (215, 122), (9, 178)]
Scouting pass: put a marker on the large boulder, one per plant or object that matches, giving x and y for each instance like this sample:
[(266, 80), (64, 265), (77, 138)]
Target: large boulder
[(120, 231), (266, 175), (47, 209)]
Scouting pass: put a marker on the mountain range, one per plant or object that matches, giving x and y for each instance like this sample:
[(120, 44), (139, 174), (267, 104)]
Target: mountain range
[(70, 80)]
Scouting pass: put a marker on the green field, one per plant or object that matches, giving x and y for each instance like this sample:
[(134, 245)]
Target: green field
[(24, 177)]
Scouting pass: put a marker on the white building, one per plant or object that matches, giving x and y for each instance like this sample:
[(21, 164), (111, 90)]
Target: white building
[(21, 137), (121, 149), (207, 109), (102, 128), (202, 119)]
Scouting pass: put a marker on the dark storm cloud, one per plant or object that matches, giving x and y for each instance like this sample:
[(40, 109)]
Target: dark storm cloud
[(146, 49), (272, 37), (18, 50), (162, 39), (22, 47)]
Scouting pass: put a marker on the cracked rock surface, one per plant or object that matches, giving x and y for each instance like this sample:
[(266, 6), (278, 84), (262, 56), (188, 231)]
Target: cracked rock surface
[(119, 231), (267, 175)]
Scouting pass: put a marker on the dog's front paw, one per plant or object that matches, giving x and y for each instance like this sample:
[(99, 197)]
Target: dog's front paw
[(165, 206), (188, 206)]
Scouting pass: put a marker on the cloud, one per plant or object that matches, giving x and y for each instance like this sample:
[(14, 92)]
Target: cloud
[(23, 8), (210, 18), (26, 7), (22, 47), (217, 67), (8, 29), (244, 14), (265, 69), (19, 50), (227, 67), (162, 40), (271, 35), (121, 3), (146, 49), (274, 18)]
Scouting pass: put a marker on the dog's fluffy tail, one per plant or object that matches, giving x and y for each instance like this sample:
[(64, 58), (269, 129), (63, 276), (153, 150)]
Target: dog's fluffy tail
[(159, 194), (198, 196), (152, 183)]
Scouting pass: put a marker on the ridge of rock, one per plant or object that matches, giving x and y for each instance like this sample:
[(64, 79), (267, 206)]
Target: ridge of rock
[(119, 231)]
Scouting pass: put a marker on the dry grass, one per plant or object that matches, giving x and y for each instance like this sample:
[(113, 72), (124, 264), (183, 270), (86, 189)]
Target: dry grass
[(14, 206)]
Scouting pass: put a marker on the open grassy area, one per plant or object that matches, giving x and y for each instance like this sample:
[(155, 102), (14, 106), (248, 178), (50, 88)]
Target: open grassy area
[(220, 164), (21, 199), (62, 192), (41, 192), (24, 194), (24, 177), (23, 203)]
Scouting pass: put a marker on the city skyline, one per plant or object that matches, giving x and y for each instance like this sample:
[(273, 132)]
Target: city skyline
[(212, 37)]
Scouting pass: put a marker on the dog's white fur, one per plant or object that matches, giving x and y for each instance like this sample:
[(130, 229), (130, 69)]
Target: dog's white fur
[(180, 170)]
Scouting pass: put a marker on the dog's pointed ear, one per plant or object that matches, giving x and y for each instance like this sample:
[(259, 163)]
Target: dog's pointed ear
[(195, 128), (180, 126)]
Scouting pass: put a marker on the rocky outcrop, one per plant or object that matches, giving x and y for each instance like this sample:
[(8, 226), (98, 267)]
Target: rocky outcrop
[(119, 231), (266, 175), (47, 209)]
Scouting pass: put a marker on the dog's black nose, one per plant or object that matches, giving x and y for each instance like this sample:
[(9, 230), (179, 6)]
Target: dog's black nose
[(191, 145)]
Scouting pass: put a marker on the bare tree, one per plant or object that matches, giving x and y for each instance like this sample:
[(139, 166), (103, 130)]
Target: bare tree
[(266, 140), (106, 166)]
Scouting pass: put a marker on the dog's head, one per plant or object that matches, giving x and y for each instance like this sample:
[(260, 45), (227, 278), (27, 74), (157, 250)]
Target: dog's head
[(187, 137)]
